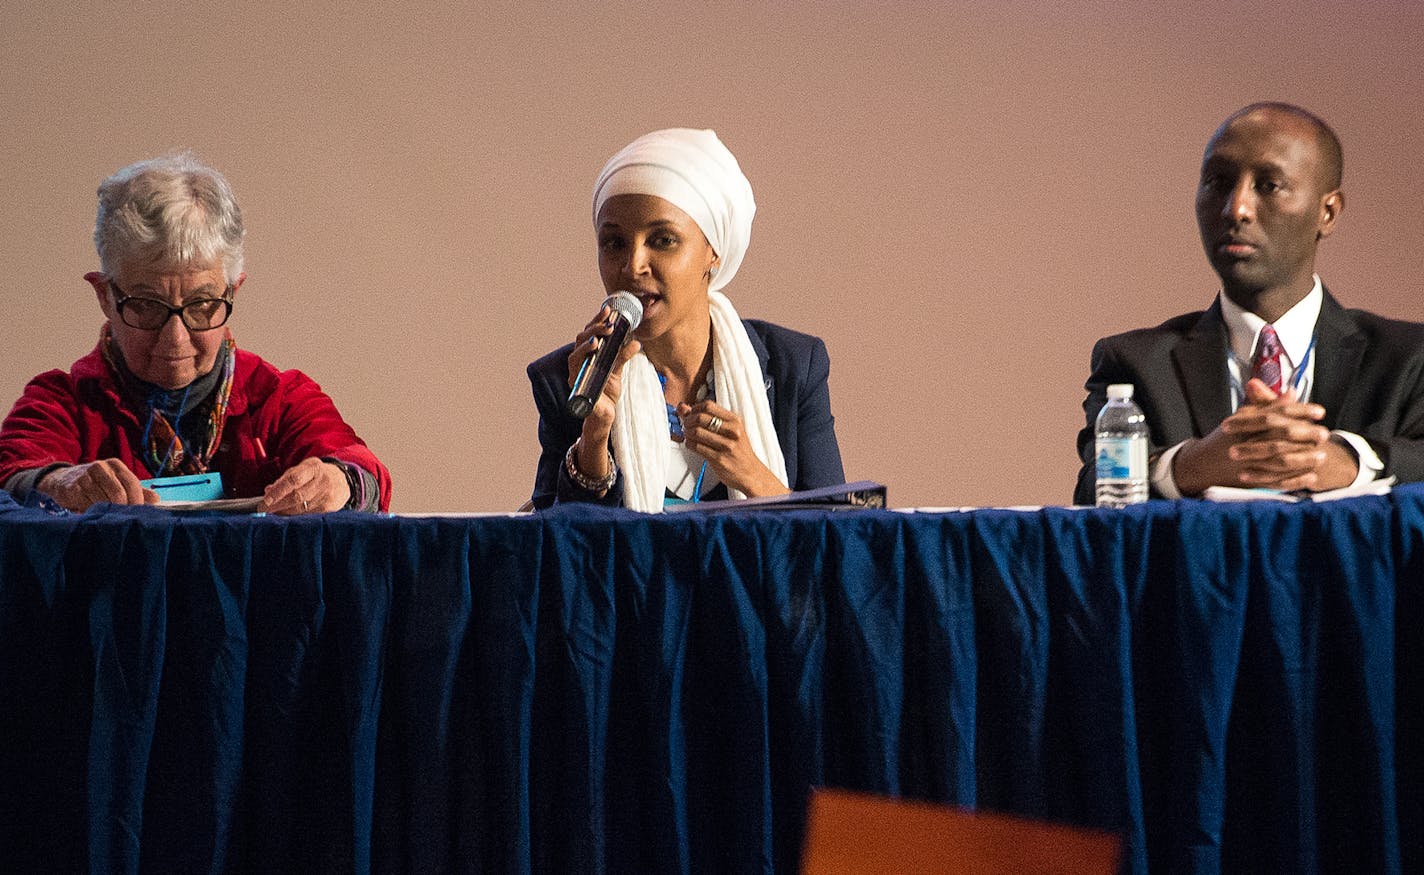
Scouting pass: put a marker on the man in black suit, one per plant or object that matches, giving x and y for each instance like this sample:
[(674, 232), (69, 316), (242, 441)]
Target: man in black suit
[(1345, 403)]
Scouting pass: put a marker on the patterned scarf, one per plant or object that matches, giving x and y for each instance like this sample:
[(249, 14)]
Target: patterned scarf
[(165, 453)]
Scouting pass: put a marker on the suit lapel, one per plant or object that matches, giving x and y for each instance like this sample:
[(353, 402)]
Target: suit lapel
[(763, 357), (1200, 359), (1339, 349)]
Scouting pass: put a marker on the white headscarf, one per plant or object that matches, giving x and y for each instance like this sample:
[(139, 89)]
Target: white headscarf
[(693, 171)]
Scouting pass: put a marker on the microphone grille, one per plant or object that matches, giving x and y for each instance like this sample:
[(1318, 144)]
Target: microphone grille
[(628, 305)]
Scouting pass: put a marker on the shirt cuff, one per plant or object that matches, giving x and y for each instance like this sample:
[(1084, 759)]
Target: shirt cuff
[(1370, 465), (22, 483), (365, 491), (1163, 483)]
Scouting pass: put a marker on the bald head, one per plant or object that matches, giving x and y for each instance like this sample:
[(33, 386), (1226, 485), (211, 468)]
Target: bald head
[(1331, 158)]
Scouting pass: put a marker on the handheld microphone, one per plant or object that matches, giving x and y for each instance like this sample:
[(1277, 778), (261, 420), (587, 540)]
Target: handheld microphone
[(588, 385)]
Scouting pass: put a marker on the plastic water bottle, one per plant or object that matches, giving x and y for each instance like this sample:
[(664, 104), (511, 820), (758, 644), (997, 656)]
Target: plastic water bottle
[(1122, 450)]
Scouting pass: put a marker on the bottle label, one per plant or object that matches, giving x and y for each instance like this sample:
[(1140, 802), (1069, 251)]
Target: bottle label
[(1122, 458)]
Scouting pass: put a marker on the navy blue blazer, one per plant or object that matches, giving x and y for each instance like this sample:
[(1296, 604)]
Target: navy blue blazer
[(1369, 377), (796, 367)]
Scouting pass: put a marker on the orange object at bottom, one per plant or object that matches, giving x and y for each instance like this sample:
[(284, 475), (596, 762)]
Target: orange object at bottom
[(862, 834)]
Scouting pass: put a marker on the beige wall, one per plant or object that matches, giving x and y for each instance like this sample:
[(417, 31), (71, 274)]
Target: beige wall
[(958, 197)]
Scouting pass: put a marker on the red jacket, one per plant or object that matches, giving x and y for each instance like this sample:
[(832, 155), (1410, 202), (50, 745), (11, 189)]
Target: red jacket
[(275, 419)]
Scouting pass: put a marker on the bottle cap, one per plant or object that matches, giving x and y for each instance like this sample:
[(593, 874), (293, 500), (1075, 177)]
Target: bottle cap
[(1118, 391)]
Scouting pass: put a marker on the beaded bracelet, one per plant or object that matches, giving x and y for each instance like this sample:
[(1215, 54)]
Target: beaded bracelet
[(582, 480)]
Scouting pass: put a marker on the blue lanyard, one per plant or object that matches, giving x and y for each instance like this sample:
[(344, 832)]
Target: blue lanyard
[(1300, 369), (697, 490), (143, 441)]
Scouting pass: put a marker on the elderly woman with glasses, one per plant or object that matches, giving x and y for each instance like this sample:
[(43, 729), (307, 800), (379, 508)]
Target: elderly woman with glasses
[(167, 392)]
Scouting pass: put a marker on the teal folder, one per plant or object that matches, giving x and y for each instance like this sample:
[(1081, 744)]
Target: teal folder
[(187, 487)]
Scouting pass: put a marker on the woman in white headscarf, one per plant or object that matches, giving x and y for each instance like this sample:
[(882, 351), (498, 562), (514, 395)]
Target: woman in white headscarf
[(701, 404)]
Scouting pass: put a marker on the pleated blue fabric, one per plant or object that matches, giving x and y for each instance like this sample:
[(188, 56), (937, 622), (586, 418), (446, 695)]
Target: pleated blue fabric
[(590, 690)]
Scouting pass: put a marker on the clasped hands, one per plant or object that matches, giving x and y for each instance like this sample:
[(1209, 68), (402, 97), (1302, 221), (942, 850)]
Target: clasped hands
[(1271, 442), (311, 486)]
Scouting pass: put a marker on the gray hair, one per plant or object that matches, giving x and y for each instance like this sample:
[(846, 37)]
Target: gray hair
[(172, 212)]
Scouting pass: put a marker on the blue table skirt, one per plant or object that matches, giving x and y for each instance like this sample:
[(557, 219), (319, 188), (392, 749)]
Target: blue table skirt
[(1231, 688)]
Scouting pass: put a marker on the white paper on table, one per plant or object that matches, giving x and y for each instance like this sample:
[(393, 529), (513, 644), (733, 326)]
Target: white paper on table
[(1233, 493)]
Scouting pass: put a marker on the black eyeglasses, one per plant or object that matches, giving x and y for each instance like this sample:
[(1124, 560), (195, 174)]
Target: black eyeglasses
[(146, 314)]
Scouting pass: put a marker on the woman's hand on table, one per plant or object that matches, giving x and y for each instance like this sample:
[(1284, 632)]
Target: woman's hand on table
[(311, 486), (79, 486)]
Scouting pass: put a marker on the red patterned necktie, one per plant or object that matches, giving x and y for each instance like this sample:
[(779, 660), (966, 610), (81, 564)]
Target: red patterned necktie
[(1268, 360)]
